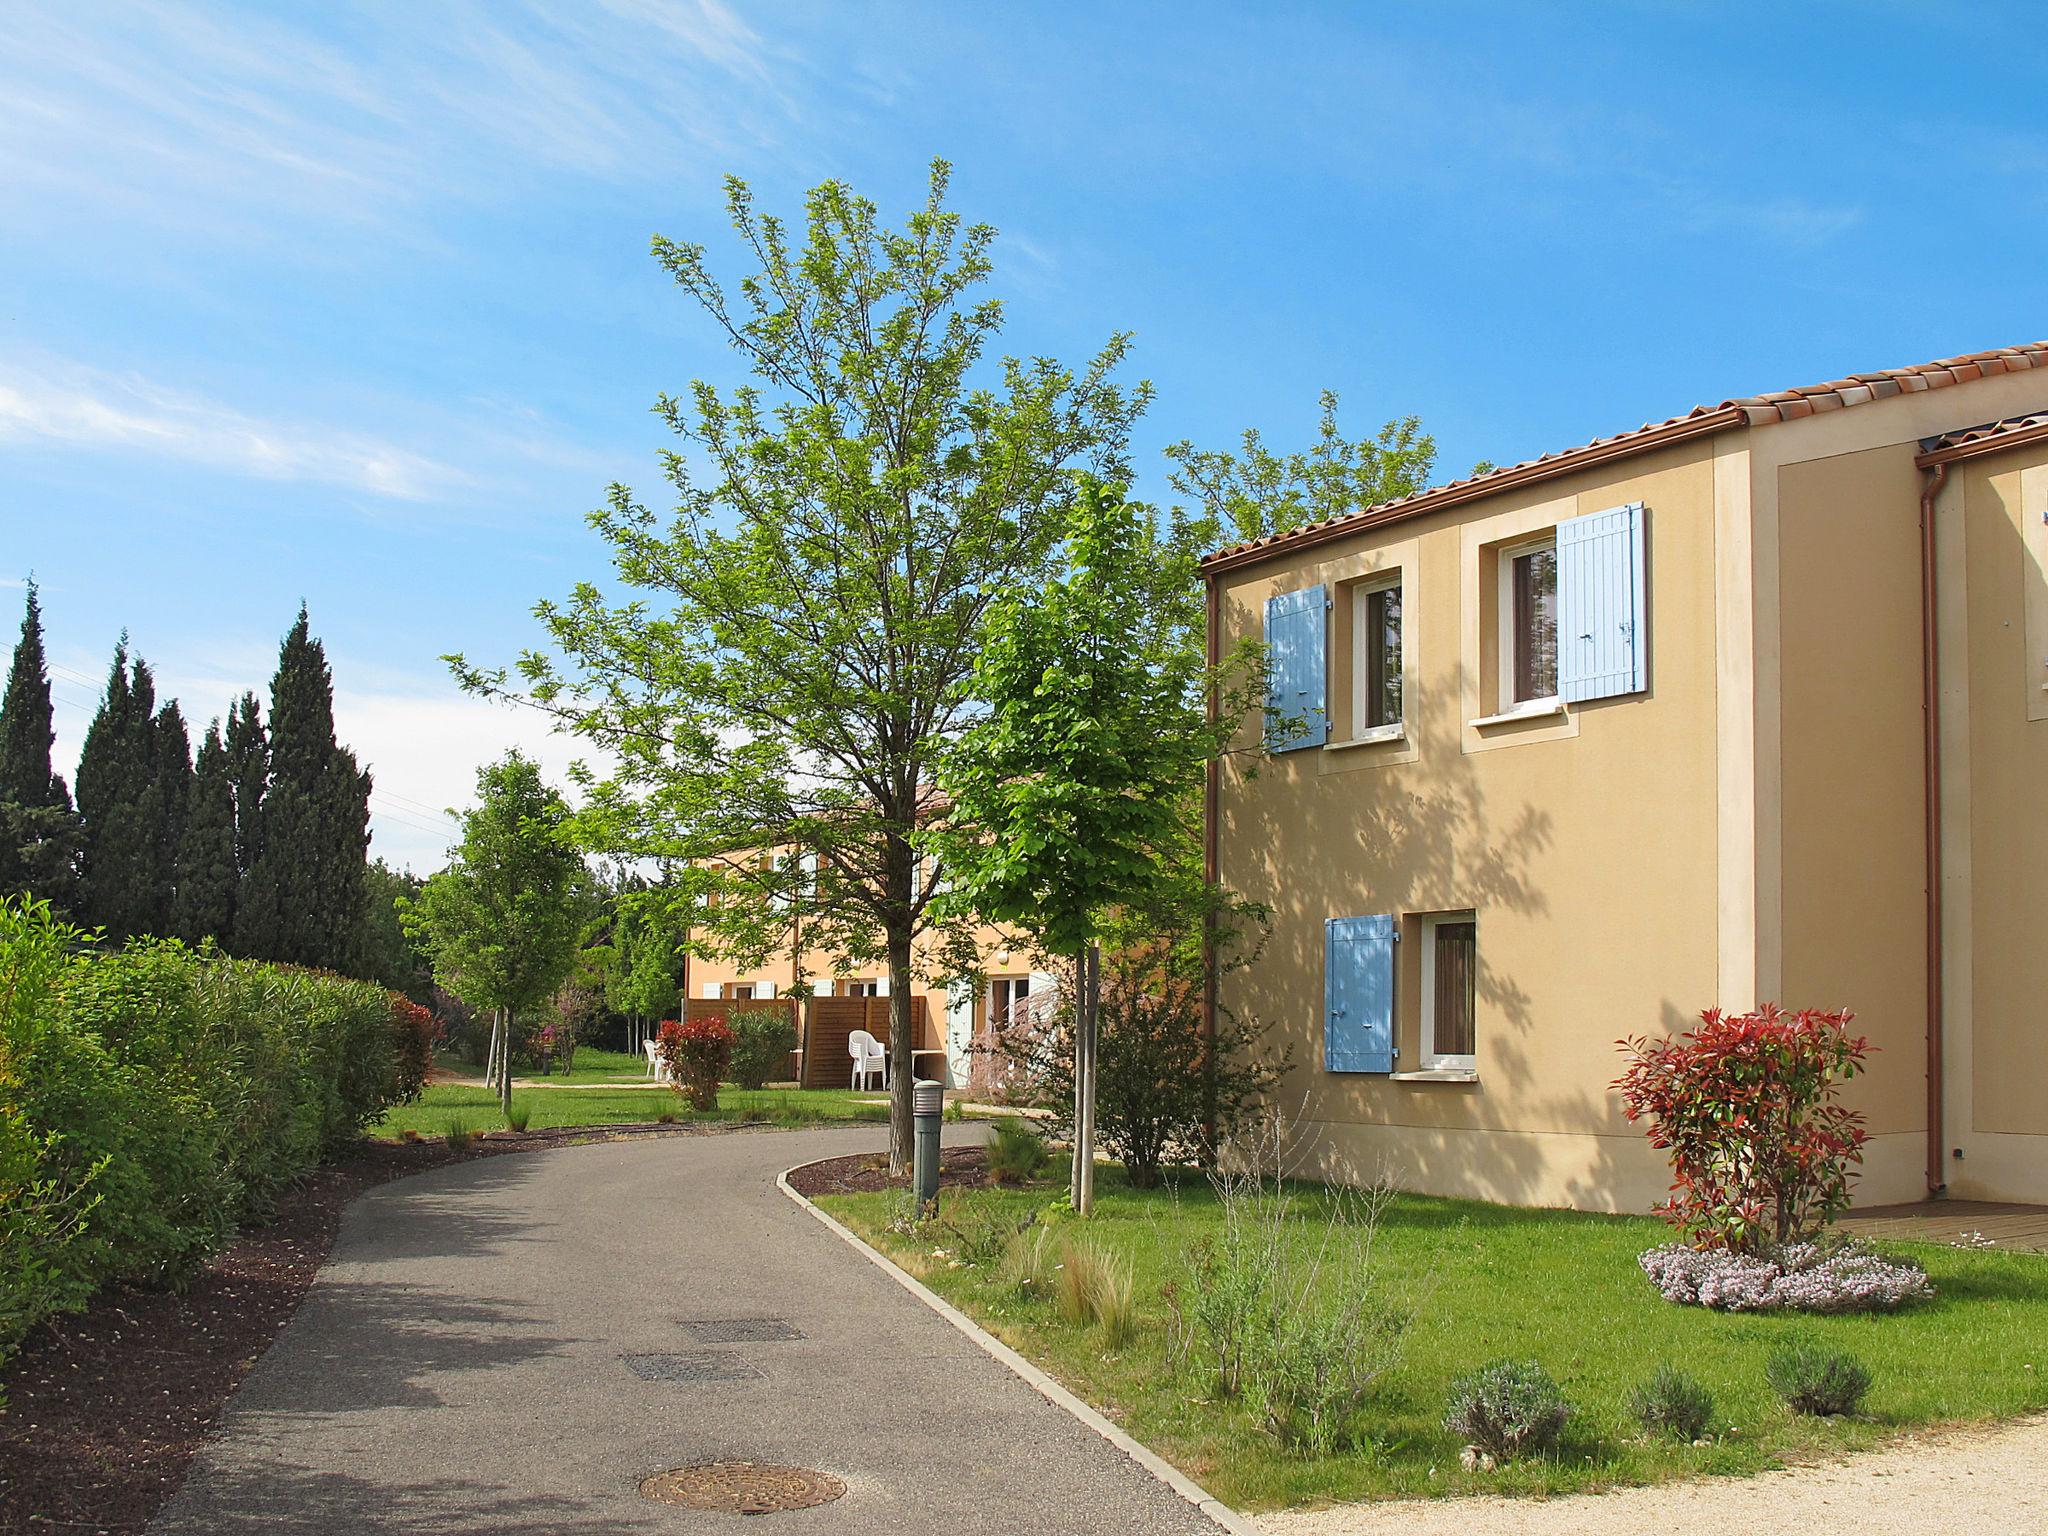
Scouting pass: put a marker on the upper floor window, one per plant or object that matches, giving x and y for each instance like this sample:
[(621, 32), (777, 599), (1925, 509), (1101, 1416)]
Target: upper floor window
[(1006, 997), (1376, 665), (1528, 620)]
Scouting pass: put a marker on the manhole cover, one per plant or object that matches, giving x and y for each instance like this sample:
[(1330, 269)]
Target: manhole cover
[(690, 1368), (741, 1330), (743, 1487)]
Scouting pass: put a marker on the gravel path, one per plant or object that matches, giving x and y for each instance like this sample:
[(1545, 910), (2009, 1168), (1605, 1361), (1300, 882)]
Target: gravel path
[(1980, 1481), (501, 1346)]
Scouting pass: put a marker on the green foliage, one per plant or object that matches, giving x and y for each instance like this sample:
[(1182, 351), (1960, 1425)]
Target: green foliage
[(1017, 1153), (518, 1114), (1028, 1264), (1507, 1410), (208, 880), (1323, 1361), (248, 765), (503, 920), (1077, 789), (307, 881), (153, 1097), (799, 634), (1254, 492), (1670, 1402), (980, 1229), (1815, 1379), (123, 887), (387, 954), (458, 1134), (38, 833), (762, 1041)]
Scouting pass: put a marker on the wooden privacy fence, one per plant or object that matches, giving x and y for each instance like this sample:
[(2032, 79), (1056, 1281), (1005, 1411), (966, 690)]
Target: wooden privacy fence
[(822, 1028), (829, 1020)]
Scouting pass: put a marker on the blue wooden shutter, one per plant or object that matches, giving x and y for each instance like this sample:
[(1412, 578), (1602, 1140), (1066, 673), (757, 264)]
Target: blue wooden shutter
[(1295, 630), (1358, 994), (1603, 637)]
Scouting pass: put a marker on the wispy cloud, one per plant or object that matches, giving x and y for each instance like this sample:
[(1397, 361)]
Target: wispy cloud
[(229, 120), (79, 407)]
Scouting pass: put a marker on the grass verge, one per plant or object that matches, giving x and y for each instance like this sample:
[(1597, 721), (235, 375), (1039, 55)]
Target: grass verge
[(431, 1113), (1558, 1287)]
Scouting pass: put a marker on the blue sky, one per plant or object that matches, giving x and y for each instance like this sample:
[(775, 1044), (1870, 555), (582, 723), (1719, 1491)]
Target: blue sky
[(353, 304)]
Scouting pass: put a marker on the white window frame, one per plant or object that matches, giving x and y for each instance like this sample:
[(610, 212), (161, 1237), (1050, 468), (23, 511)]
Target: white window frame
[(1013, 983), (1505, 627), (1432, 1061), (1361, 626)]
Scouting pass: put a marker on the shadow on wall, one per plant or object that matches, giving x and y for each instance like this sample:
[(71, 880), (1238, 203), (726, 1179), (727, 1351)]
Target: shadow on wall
[(1408, 838)]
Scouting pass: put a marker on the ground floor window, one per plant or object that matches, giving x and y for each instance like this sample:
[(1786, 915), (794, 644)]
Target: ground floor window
[(1006, 995), (857, 986), (1450, 970)]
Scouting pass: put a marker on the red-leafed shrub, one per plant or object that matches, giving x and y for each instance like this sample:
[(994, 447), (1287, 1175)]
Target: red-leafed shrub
[(414, 1034), (1747, 1106), (697, 1054)]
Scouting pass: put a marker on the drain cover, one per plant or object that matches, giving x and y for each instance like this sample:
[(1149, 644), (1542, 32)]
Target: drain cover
[(741, 1330), (743, 1487), (703, 1366)]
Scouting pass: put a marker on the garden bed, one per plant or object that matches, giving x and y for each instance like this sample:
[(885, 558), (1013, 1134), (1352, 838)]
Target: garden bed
[(1486, 1282), (866, 1173), (106, 1407)]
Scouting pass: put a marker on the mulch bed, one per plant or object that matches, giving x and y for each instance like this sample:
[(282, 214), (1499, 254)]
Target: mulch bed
[(106, 1408), (867, 1173)]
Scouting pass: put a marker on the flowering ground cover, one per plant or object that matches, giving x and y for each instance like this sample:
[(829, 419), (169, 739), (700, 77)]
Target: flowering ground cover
[(1488, 1282)]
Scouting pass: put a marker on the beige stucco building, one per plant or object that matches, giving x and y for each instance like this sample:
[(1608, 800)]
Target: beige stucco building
[(1574, 749)]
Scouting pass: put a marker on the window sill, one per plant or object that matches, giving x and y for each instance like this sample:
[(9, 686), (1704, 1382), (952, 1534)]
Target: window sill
[(1379, 735), (1438, 1075), (1532, 709)]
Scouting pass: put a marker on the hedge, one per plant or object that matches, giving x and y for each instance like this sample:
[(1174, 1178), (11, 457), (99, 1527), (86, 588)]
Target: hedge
[(153, 1098)]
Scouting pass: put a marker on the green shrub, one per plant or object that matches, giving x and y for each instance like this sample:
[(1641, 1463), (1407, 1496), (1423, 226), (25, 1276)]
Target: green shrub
[(1017, 1153), (458, 1135), (1322, 1363), (1507, 1410), (762, 1041), (1673, 1403), (1816, 1380), (518, 1115), (154, 1097)]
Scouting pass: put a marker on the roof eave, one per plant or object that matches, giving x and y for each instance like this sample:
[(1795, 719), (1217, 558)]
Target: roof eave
[(1993, 442), (1685, 428)]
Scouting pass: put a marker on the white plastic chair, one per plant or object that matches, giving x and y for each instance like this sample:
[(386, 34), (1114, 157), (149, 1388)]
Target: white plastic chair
[(656, 1067), (870, 1057)]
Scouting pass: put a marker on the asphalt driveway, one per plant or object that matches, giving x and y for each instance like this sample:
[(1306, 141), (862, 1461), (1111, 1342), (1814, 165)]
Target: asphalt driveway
[(501, 1346)]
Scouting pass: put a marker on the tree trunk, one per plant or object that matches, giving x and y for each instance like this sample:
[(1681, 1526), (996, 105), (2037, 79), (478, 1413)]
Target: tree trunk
[(1087, 1011), (505, 1065), (491, 1054), (902, 1061)]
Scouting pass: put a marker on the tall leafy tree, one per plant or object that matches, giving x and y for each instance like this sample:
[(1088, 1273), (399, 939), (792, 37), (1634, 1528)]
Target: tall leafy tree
[(247, 751), (1075, 796), (1253, 492), (390, 955), (795, 641), (207, 877), (503, 921), (38, 831), (308, 878)]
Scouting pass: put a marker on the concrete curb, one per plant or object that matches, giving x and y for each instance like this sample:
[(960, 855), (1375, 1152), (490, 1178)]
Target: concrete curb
[(1220, 1513)]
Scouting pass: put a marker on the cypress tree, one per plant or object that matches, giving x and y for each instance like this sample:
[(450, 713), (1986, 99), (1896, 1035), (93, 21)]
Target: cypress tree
[(254, 931), (38, 831), (207, 876), (117, 863), (169, 800), (315, 817)]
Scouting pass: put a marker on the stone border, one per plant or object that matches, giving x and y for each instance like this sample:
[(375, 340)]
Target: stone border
[(1220, 1513)]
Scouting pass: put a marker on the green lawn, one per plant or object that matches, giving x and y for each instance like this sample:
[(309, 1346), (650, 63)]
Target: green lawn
[(477, 1107), (1491, 1281), (592, 1066)]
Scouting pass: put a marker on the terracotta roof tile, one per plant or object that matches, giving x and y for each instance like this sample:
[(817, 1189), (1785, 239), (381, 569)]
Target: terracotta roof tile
[(1989, 433), (1746, 410)]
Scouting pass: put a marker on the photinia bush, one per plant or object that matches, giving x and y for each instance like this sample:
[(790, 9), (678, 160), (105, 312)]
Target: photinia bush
[(697, 1053), (414, 1034), (1747, 1106)]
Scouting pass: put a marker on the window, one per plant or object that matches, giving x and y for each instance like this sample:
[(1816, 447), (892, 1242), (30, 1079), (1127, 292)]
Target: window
[(1528, 622), (739, 991), (857, 986), (1005, 995), (1450, 965), (1376, 652)]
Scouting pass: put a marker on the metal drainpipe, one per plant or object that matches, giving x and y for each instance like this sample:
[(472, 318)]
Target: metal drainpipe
[(1930, 705)]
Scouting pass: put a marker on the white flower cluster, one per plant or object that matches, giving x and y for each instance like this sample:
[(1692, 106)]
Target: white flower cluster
[(1799, 1277)]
